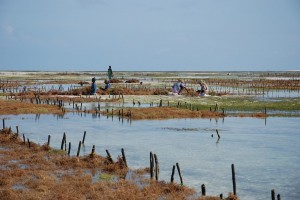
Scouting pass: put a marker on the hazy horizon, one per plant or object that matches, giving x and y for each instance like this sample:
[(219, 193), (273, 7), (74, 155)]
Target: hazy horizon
[(169, 35)]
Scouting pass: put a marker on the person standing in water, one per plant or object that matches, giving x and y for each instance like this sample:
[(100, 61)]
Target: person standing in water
[(109, 73), (93, 86)]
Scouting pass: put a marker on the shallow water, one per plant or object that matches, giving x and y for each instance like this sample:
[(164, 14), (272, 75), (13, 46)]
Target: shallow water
[(264, 152)]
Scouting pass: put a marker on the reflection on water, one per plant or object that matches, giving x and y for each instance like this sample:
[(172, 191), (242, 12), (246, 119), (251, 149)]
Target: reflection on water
[(265, 154)]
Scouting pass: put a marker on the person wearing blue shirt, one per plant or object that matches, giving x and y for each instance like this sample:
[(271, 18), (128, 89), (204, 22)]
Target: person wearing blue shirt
[(178, 87), (93, 86), (107, 84)]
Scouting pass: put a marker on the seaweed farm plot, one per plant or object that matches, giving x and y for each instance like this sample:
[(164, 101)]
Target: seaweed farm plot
[(264, 151)]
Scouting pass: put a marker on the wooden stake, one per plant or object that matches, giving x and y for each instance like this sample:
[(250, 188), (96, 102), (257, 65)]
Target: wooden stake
[(69, 149), (48, 143), (156, 167), (63, 141), (28, 142), (203, 190), (83, 137), (218, 134), (78, 150), (151, 165), (93, 152), (124, 157), (233, 179), (273, 194), (173, 172), (178, 169), (17, 127), (221, 196), (109, 156)]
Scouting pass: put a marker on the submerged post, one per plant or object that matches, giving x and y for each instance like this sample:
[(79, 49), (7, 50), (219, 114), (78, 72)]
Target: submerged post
[(83, 137), (233, 179), (63, 141), (109, 156), (278, 197), (178, 169), (17, 127), (218, 134), (28, 142), (156, 167), (265, 110), (273, 194), (221, 196), (48, 143), (203, 190), (78, 150), (151, 165), (124, 157), (173, 172), (69, 149), (93, 152)]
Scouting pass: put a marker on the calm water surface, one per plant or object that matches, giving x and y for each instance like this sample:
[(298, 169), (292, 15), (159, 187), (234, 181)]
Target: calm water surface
[(265, 152)]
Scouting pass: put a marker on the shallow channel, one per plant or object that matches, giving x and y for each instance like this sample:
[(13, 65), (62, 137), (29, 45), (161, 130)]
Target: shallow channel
[(264, 151)]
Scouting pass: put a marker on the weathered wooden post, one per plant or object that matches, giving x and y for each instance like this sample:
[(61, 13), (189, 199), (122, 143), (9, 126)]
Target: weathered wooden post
[(78, 150), (48, 143), (265, 110), (278, 197), (203, 190), (3, 120), (173, 172), (178, 169), (221, 196), (273, 194), (151, 165), (156, 167), (17, 127), (93, 152), (28, 142), (69, 149), (83, 139), (218, 134), (233, 179), (63, 141), (109, 156), (124, 157), (24, 138)]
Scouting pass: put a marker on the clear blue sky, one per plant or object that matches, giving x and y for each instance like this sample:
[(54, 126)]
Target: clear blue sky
[(150, 35)]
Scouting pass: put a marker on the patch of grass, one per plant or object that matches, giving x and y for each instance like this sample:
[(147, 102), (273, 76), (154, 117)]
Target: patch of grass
[(106, 177), (235, 103)]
